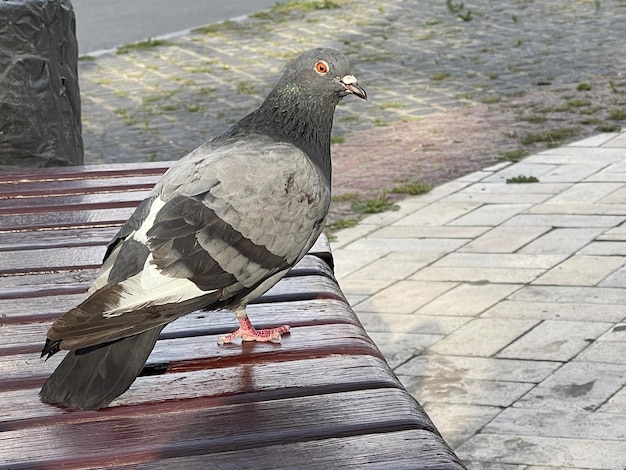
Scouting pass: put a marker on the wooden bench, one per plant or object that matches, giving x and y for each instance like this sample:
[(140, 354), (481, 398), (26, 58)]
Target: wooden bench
[(325, 398)]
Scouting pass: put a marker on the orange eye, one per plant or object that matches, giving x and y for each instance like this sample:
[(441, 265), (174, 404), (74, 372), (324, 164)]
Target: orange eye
[(321, 67)]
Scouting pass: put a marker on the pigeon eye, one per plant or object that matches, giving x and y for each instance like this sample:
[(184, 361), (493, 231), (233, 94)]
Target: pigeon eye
[(321, 67)]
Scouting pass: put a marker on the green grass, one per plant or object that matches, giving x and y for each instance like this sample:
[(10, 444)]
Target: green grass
[(413, 188), (617, 114), (583, 87), (373, 206), (514, 155), (147, 44), (491, 99), (342, 223), (522, 180), (391, 105), (288, 7), (551, 136), (215, 28), (244, 88), (337, 139), (439, 76), (609, 128)]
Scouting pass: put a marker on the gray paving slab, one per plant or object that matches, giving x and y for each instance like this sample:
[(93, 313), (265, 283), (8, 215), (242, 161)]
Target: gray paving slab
[(443, 319)]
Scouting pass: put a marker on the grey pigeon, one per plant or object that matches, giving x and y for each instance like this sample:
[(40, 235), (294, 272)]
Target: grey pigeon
[(223, 225)]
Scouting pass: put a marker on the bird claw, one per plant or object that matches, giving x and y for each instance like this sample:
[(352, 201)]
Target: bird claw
[(273, 335)]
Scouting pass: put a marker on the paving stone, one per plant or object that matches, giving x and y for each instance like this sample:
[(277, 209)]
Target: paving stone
[(582, 270), (565, 221), (482, 337), (614, 234), (383, 218), (478, 275), (617, 279), (498, 260), (478, 368), (437, 213), (572, 154), (566, 294), (544, 451), (616, 404), (515, 190), (575, 311), (616, 333), (394, 268), (504, 239), (495, 466), (411, 323), (596, 140), (551, 423), (468, 299), (431, 232), (561, 240), (577, 386), (490, 214), (351, 286), (499, 198), (457, 422), (616, 197), (571, 172), (399, 347), (611, 352), (525, 168), (404, 297), (347, 262), (348, 235), (616, 140), (604, 248), (586, 192), (577, 208), (405, 244), (464, 391), (555, 340)]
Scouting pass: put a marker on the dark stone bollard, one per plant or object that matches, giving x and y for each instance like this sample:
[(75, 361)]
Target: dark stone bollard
[(39, 97)]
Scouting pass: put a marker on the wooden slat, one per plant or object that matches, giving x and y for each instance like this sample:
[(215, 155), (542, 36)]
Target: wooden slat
[(208, 425), (321, 397)]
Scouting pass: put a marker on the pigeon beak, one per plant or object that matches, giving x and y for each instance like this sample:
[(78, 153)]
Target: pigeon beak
[(352, 87)]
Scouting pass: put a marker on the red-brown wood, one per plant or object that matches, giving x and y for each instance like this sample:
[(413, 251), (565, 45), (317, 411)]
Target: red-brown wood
[(323, 398)]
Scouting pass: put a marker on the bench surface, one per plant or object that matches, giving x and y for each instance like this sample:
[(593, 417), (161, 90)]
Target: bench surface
[(323, 398)]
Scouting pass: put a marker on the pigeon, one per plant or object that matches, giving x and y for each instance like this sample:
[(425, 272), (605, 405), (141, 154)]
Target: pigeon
[(223, 225)]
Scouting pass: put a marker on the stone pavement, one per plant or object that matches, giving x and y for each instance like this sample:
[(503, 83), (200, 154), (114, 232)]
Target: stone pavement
[(502, 307)]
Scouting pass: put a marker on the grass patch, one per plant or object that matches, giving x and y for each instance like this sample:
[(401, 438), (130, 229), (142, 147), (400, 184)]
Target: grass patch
[(609, 128), (337, 139), (522, 180), (575, 103), (514, 155), (617, 115), (534, 119), (343, 223), (373, 206), (391, 105), (144, 45), (439, 76), (244, 88), (551, 136), (413, 188), (583, 87), (194, 108), (288, 7), (491, 99), (215, 28)]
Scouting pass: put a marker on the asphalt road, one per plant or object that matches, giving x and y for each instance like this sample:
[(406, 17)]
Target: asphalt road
[(102, 25)]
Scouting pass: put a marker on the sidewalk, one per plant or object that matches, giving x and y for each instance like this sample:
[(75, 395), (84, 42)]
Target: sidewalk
[(502, 307)]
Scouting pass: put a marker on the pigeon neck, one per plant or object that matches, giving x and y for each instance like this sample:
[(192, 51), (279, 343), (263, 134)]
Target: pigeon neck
[(305, 124)]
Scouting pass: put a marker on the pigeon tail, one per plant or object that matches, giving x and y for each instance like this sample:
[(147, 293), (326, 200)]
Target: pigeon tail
[(90, 378)]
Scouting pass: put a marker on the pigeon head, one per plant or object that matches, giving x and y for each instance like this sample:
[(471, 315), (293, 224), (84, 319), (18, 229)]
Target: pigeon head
[(300, 108), (320, 75)]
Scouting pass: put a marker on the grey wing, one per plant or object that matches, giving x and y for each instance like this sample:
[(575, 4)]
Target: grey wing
[(223, 233)]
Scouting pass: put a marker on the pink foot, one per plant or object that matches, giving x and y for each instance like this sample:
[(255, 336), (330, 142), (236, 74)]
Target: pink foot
[(248, 333)]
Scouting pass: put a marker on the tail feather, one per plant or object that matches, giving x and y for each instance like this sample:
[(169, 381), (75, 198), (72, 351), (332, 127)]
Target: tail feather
[(90, 378)]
